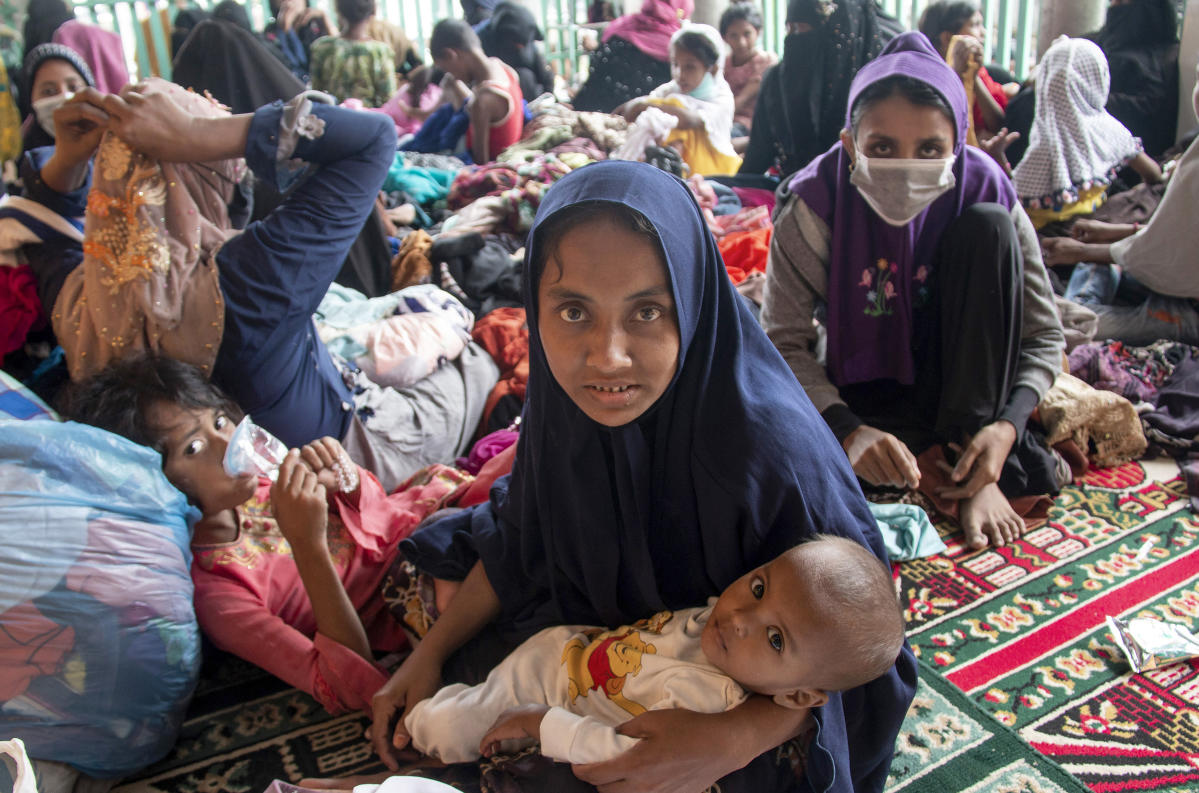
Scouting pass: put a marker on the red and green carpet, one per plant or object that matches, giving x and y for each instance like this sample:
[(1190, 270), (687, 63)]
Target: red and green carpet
[(1021, 631)]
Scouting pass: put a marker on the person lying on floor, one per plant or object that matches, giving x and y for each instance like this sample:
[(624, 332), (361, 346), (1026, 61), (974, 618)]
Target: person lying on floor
[(941, 327), (161, 270), (287, 575), (1140, 281), (700, 100), (819, 617)]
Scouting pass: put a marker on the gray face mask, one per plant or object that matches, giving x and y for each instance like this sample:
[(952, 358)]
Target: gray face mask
[(899, 190), (44, 110)]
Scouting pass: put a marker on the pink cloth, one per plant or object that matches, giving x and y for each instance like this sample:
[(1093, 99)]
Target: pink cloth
[(746, 81), (400, 100), (20, 308), (755, 197), (650, 29), (251, 601), (102, 50), (487, 447)]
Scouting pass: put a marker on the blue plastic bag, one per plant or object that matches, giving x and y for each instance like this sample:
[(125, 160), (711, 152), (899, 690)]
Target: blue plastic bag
[(99, 647)]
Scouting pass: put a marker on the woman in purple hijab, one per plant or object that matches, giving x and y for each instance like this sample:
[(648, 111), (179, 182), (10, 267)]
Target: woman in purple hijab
[(912, 252)]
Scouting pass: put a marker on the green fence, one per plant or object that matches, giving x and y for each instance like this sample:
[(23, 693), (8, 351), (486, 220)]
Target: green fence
[(145, 26)]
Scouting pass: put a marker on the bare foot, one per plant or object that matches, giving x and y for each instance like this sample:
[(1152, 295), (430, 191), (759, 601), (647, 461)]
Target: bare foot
[(988, 518)]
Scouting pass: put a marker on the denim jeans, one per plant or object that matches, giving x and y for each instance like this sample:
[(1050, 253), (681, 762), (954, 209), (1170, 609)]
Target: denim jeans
[(1130, 312)]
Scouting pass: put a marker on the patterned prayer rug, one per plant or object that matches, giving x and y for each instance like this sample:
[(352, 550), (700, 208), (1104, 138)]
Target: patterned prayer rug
[(1021, 630), (247, 729)]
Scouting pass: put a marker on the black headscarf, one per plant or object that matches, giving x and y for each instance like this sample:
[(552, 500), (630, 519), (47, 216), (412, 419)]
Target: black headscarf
[(731, 466), (43, 18), (1141, 23), (801, 107), (511, 35), (185, 22), (234, 66)]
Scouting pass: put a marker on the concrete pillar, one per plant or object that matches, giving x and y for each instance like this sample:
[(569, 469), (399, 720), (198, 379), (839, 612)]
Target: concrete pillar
[(707, 11), (1188, 56), (1068, 17)]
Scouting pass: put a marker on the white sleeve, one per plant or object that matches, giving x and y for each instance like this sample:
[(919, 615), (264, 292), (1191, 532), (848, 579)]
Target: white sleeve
[(569, 738)]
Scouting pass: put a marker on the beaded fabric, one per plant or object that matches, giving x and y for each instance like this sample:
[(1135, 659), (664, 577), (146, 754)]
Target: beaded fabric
[(148, 280)]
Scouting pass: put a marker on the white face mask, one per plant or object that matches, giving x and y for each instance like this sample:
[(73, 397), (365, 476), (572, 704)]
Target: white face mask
[(899, 190), (44, 110)]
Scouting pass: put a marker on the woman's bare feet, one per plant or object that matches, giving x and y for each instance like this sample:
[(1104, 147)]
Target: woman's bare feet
[(988, 519)]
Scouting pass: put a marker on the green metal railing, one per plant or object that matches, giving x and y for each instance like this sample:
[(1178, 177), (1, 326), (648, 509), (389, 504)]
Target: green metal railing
[(145, 26)]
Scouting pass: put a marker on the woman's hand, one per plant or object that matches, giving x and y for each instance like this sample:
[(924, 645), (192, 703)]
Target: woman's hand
[(982, 461), (418, 678), (298, 499), (965, 55), (679, 750), (1098, 232), (150, 121), (1062, 250), (79, 125), (514, 724), (880, 458)]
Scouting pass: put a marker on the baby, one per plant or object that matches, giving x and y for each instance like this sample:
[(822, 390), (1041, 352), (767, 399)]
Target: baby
[(820, 617)]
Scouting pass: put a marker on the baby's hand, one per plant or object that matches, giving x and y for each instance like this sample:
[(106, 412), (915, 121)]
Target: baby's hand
[(514, 723), (301, 510)]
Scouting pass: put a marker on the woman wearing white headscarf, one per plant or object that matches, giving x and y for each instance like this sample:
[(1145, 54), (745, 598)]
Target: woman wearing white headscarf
[(1076, 146)]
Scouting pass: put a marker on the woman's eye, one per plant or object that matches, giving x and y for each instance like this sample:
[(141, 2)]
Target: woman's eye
[(221, 422), (571, 314), (933, 153), (195, 447), (757, 588), (775, 638), (649, 313)]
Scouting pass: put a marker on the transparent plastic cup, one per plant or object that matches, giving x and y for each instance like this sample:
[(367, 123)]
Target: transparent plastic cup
[(253, 450)]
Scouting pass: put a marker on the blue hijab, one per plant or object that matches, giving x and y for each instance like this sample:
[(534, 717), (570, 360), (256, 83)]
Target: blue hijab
[(730, 467)]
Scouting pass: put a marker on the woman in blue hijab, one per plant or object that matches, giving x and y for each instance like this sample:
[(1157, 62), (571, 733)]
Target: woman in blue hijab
[(666, 450)]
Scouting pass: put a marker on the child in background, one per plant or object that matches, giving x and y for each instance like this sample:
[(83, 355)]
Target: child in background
[(1076, 147), (740, 26), (496, 110), (820, 617), (699, 98)]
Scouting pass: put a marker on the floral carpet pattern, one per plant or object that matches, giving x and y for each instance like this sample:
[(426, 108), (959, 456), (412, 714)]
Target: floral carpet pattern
[(1021, 630)]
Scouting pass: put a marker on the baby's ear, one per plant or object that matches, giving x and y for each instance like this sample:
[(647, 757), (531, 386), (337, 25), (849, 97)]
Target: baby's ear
[(801, 698)]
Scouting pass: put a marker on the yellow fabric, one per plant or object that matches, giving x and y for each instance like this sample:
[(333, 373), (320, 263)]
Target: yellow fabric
[(10, 120), (1088, 201), (697, 150)]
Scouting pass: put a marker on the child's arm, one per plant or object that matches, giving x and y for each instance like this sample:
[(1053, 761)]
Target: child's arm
[(688, 119), (1147, 167), (302, 513)]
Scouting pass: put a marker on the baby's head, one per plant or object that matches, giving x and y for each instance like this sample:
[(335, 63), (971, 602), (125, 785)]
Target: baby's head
[(820, 617)]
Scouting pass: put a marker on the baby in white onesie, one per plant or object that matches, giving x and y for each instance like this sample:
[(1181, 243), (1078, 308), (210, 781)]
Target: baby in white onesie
[(820, 617)]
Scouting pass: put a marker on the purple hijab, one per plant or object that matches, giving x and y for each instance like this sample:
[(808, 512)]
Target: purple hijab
[(877, 273)]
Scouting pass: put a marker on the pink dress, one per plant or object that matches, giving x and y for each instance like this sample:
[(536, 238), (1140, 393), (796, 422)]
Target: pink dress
[(251, 602), (746, 81)]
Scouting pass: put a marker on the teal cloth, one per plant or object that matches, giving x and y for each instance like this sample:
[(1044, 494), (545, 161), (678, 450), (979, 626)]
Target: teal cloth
[(344, 308), (425, 185), (907, 531)]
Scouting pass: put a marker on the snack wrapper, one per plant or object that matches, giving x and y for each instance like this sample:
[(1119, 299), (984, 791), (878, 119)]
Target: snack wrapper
[(253, 450), (1150, 644)]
